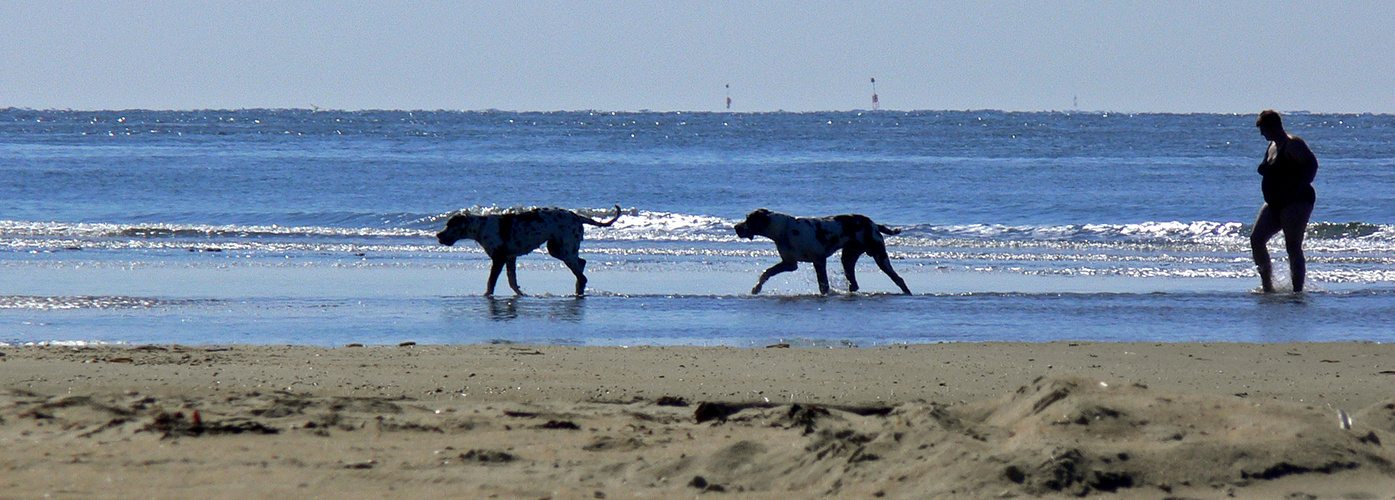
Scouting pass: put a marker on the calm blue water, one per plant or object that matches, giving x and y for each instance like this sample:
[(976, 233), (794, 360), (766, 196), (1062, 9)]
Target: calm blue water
[(300, 227)]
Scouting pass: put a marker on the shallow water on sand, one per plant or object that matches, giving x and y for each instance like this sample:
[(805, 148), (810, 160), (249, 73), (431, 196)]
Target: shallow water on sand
[(321, 306)]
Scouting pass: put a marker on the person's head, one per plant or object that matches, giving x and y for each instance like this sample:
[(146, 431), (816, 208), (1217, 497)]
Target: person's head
[(1270, 125)]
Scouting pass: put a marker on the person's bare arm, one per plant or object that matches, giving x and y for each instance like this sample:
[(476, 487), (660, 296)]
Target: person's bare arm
[(1298, 150)]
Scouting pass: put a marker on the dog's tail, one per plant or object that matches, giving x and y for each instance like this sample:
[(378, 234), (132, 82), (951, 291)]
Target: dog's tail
[(887, 230), (594, 222)]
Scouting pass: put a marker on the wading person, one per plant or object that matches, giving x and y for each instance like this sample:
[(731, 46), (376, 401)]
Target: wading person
[(1288, 170)]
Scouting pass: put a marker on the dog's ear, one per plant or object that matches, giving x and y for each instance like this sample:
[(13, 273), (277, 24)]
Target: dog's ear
[(457, 220), (756, 222)]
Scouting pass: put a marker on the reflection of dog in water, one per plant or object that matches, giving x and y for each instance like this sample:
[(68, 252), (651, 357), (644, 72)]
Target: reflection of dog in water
[(507, 236), (804, 239), (509, 309)]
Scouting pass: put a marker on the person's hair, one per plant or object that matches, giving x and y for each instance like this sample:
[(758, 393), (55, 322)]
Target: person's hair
[(1269, 118)]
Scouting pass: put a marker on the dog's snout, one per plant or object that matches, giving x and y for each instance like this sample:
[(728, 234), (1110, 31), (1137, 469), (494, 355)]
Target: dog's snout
[(445, 239)]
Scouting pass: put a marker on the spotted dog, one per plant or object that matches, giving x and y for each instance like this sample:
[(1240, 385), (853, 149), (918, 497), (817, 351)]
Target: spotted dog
[(507, 236), (807, 239)]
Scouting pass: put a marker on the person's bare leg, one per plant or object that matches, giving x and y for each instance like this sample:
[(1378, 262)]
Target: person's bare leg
[(1294, 219), (1266, 226)]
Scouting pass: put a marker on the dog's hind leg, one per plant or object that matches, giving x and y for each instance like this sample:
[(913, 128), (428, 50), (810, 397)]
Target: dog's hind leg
[(884, 262), (568, 254), (512, 269), (851, 253), (783, 266), (578, 267)]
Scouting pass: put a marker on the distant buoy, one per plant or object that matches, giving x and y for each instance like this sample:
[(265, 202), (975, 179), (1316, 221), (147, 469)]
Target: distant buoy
[(875, 105)]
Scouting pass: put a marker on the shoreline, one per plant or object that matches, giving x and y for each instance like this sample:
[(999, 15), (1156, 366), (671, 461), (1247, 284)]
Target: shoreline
[(930, 420), (1340, 373)]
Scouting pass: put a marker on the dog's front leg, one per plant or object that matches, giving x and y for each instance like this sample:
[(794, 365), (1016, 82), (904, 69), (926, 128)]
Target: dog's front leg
[(783, 266), (821, 270), (495, 266), (512, 268)]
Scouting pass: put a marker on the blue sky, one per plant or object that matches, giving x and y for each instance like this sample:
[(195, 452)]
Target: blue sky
[(1186, 56)]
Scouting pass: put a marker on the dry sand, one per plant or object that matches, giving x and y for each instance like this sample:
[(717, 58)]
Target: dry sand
[(970, 420)]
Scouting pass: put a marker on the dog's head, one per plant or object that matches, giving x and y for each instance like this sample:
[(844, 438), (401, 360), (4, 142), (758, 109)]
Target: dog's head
[(456, 229), (756, 223)]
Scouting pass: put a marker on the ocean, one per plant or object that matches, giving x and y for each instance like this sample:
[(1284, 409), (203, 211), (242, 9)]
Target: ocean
[(315, 227)]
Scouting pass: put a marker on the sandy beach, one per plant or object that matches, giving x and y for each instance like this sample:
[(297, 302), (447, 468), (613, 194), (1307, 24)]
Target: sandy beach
[(965, 420)]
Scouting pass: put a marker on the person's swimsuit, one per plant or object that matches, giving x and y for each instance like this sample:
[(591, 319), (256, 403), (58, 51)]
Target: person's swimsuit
[(1286, 181)]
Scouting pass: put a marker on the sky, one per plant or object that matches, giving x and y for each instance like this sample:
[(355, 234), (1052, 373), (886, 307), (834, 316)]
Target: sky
[(678, 55)]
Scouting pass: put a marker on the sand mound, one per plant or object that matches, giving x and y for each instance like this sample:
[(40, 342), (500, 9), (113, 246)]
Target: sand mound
[(1059, 436), (1079, 436)]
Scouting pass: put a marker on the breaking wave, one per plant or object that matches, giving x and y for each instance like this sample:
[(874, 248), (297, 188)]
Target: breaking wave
[(44, 303), (636, 227)]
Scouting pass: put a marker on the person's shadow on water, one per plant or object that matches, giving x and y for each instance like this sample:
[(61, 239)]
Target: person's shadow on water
[(501, 309), (1285, 317)]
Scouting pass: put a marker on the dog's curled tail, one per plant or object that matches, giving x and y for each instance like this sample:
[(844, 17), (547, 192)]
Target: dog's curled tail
[(595, 222), (887, 230)]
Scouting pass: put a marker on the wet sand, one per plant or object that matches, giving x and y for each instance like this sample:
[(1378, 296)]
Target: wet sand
[(967, 420)]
